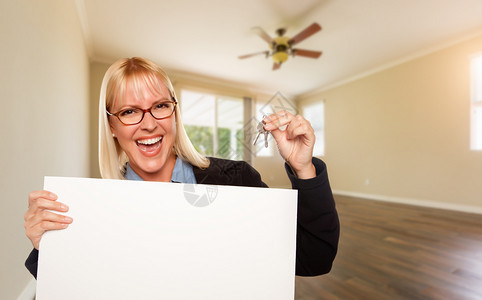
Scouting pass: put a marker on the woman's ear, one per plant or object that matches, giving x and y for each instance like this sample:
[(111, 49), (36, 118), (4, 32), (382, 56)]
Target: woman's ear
[(112, 130)]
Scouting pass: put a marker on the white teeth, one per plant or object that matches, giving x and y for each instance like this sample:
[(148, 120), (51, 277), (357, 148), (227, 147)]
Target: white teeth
[(149, 141)]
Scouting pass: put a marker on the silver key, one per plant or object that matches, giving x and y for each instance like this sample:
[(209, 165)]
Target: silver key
[(266, 133), (256, 139), (260, 128)]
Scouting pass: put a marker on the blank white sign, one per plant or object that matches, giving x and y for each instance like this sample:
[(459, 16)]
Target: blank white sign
[(153, 240)]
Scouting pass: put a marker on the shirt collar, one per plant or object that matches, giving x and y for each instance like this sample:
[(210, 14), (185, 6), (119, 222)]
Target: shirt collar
[(182, 173)]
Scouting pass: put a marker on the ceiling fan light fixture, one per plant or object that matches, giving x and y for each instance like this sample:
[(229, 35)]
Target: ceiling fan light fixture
[(280, 49), (280, 57)]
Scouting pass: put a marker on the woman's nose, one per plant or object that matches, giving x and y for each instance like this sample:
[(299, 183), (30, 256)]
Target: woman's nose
[(148, 122)]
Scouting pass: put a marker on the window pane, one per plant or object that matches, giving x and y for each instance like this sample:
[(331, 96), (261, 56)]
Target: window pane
[(198, 118), (230, 128), (319, 149), (315, 113), (476, 104), (202, 138), (477, 79), (476, 128), (214, 125)]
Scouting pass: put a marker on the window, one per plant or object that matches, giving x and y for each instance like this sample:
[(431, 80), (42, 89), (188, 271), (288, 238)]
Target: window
[(476, 103), (315, 113), (214, 124)]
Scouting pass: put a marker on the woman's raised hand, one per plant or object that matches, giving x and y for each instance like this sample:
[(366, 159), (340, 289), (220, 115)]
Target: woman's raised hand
[(295, 143), (39, 219)]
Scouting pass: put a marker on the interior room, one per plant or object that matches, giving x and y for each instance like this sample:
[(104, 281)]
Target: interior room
[(394, 97)]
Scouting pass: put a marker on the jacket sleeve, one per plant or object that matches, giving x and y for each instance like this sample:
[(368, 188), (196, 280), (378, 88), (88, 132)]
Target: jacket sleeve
[(318, 227), (228, 172), (32, 262)]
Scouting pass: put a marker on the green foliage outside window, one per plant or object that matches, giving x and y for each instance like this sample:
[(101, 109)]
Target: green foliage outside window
[(202, 139), (224, 143)]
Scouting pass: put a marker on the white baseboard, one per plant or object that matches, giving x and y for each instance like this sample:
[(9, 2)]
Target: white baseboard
[(411, 201), (28, 292)]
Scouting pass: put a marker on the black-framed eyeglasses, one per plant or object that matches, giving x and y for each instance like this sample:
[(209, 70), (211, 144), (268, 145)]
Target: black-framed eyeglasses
[(132, 116)]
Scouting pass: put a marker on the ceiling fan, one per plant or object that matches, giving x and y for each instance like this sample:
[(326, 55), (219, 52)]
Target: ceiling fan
[(281, 46)]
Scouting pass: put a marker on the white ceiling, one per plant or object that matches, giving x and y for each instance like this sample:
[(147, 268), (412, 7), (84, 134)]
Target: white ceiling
[(206, 37)]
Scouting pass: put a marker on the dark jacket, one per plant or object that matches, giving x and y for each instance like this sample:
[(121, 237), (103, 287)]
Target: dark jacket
[(318, 226)]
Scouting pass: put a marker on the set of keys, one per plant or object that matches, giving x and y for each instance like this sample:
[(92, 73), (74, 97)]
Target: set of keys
[(260, 129)]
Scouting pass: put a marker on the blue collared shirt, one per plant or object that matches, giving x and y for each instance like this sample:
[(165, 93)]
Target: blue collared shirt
[(182, 173)]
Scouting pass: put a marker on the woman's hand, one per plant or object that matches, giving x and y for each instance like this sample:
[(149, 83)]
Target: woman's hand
[(38, 219), (295, 143)]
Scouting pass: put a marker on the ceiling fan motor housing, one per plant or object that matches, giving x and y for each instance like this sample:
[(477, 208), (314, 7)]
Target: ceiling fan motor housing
[(280, 49)]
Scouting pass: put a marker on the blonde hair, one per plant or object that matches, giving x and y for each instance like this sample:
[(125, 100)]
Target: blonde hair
[(140, 72)]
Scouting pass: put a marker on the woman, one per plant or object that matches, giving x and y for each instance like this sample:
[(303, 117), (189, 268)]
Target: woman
[(141, 137)]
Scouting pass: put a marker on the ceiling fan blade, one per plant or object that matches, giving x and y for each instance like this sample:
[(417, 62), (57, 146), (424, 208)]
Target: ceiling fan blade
[(259, 31), (306, 53), (276, 66), (253, 54), (307, 32)]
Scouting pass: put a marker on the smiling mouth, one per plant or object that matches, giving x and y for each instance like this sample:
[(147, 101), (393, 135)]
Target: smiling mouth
[(149, 145)]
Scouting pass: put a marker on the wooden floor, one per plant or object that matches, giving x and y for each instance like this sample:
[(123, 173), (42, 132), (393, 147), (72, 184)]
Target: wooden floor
[(393, 251)]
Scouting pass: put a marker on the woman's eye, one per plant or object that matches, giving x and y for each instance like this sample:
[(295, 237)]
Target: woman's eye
[(127, 112), (162, 105)]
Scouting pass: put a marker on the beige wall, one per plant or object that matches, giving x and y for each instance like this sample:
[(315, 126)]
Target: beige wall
[(404, 132), (44, 96)]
